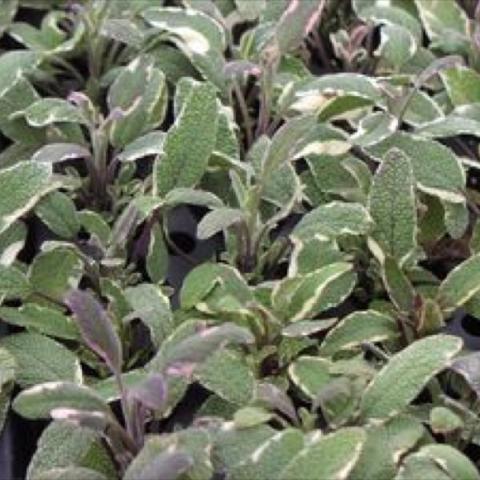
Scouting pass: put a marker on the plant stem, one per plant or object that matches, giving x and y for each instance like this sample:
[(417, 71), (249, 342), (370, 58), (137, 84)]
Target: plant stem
[(243, 107)]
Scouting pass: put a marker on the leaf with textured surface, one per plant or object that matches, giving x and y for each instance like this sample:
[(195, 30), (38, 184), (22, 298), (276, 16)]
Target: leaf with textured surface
[(96, 327), (461, 284), (41, 319), (48, 111), (436, 169), (455, 463), (271, 457), (40, 359), (12, 241), (60, 152), (462, 85), (334, 219), (227, 374), (157, 260), (139, 93), (167, 465), (397, 45), (446, 24), (13, 283), (189, 142), (391, 204), (218, 220), (332, 457), (398, 285), (58, 212), (406, 374), (39, 401), (54, 272), (22, 186), (307, 295), (64, 445), (356, 328), (147, 145), (198, 347), (153, 308), (296, 22), (310, 374)]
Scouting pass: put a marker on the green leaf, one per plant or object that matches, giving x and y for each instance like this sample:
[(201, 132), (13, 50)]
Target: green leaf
[(70, 473), (200, 37), (40, 359), (415, 466), (153, 308), (270, 457), (64, 445), (444, 421), (56, 271), (48, 111), (312, 254), (335, 94), (356, 328), (447, 27), (169, 464), (232, 446), (295, 24), (60, 152), (391, 204), (218, 220), (310, 374), (42, 320), (333, 220), (333, 456), (227, 374), (385, 445), (95, 224), (13, 283), (248, 417), (406, 374), (157, 257), (96, 327), (198, 347), (374, 128), (139, 96), (462, 85), (458, 465), (305, 296), (13, 64), (397, 45), (22, 187), (58, 212), (40, 400), (145, 146), (288, 140), (461, 284), (398, 285), (208, 279), (108, 389), (189, 142), (436, 169), (190, 196), (12, 241)]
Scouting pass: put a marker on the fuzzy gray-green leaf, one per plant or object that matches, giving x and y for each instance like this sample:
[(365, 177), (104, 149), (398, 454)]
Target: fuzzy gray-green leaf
[(189, 142), (392, 206), (406, 374)]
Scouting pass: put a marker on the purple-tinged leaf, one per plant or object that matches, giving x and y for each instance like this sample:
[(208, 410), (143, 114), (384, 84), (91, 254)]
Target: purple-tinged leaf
[(96, 328), (152, 392), (275, 398), (297, 22), (97, 421), (196, 348), (468, 367), (169, 465), (60, 152)]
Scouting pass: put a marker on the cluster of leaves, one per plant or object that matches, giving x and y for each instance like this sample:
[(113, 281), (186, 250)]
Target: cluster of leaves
[(331, 149)]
